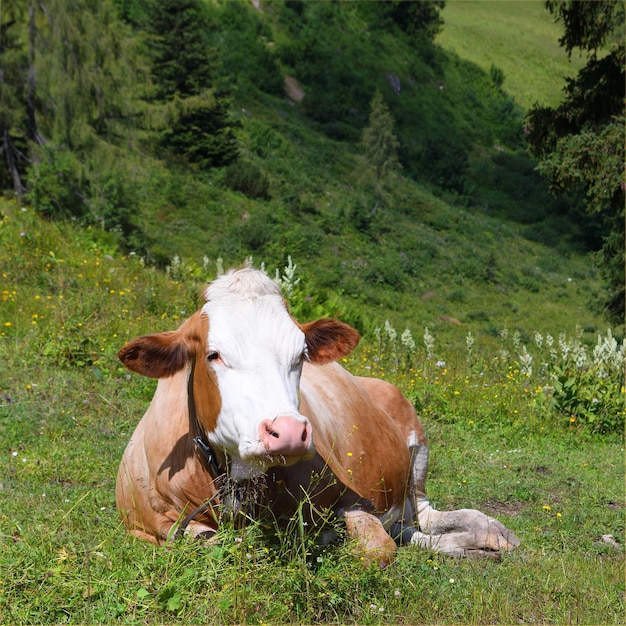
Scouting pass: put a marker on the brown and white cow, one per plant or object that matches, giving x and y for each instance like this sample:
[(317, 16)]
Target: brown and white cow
[(247, 391)]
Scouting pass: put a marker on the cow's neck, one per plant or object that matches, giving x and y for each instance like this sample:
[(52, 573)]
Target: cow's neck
[(204, 447)]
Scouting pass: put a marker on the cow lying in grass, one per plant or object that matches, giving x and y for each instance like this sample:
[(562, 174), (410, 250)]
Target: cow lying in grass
[(245, 391)]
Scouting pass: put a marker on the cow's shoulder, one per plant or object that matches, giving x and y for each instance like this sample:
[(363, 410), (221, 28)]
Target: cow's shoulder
[(358, 439)]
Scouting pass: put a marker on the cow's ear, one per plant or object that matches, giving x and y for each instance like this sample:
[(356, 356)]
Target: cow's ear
[(329, 340), (155, 356), (163, 354)]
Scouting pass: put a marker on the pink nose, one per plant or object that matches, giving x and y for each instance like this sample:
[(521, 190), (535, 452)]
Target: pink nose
[(285, 435)]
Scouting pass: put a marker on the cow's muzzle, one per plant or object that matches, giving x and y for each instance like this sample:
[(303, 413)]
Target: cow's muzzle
[(286, 435)]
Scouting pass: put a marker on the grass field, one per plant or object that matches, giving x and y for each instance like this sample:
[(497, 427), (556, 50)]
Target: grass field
[(500, 440), (518, 36)]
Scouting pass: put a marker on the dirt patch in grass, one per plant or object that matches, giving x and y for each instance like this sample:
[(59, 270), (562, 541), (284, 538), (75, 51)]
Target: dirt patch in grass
[(509, 508)]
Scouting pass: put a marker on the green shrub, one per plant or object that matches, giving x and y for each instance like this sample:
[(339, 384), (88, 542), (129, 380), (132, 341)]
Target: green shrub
[(248, 179)]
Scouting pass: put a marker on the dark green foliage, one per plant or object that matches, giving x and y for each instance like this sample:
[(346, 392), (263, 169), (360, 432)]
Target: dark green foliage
[(497, 76), (378, 142), (337, 84), (203, 136), (588, 26), (246, 49), (418, 18), (13, 96), (248, 179), (184, 70), (257, 231), (183, 61), (581, 142), (55, 186)]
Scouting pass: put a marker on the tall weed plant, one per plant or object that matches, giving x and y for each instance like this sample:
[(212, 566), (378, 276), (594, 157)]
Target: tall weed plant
[(569, 383)]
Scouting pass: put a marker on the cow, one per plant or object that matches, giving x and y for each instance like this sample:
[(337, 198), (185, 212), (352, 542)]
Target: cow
[(248, 395)]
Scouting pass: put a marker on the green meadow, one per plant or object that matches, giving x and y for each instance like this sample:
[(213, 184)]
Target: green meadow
[(504, 438), (496, 34)]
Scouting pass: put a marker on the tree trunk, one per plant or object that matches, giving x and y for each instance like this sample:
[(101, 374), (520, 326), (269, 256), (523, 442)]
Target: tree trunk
[(11, 154), (31, 120)]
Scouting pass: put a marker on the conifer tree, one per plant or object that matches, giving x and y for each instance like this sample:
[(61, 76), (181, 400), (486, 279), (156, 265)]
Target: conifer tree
[(82, 104), (184, 66), (379, 144), (580, 143), (12, 110)]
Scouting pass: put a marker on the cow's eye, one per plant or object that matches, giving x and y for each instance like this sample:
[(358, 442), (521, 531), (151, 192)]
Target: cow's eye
[(213, 356)]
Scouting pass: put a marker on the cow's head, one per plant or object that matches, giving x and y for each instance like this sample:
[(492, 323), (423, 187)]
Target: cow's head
[(247, 353)]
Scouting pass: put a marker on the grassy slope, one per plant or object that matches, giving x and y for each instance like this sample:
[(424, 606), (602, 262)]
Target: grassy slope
[(519, 37), (424, 260), (67, 410)]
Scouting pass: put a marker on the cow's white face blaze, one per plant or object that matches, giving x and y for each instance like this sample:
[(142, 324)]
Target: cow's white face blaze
[(256, 351)]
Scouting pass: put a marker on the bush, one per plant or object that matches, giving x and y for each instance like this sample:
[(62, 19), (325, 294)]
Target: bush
[(248, 179)]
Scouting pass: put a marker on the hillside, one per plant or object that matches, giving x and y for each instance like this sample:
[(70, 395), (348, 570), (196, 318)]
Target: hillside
[(520, 38), (467, 235), (518, 383), (524, 447)]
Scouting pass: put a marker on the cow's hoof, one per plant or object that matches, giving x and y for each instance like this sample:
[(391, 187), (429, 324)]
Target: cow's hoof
[(373, 544), (476, 545)]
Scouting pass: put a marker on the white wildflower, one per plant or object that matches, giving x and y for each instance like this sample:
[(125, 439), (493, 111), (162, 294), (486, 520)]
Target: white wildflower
[(378, 336), (407, 340), (564, 345), (429, 342), (288, 280), (526, 362), (580, 356), (390, 331)]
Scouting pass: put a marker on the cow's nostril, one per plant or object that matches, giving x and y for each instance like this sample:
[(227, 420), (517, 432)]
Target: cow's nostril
[(303, 438), (274, 433)]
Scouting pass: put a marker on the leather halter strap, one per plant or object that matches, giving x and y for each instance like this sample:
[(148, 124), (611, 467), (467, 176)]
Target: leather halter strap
[(206, 452)]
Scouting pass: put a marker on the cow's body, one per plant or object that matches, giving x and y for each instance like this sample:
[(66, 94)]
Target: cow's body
[(353, 445)]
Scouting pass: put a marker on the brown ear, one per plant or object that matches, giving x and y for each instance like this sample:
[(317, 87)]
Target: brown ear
[(163, 354), (329, 340)]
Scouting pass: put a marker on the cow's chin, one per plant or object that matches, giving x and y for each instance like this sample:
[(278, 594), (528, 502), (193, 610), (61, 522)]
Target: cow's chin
[(253, 465)]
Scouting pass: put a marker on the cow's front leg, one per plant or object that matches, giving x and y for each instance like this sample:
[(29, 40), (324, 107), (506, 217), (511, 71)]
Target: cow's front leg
[(464, 532), (373, 542)]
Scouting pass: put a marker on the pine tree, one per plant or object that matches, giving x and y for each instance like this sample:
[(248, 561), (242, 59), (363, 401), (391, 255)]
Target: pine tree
[(379, 144), (82, 105), (580, 143), (13, 62), (184, 66)]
